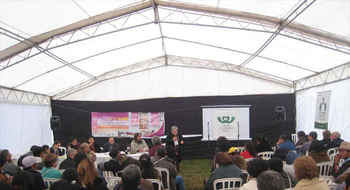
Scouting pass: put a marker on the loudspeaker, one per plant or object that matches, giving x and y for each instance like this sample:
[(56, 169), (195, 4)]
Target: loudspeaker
[(55, 122), (280, 113)]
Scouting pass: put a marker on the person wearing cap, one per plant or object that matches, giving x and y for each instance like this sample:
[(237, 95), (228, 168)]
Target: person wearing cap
[(344, 153), (30, 164), (318, 152)]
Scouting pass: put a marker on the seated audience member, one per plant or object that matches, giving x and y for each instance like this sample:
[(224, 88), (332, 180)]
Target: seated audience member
[(55, 149), (50, 164), (222, 145), (326, 141), (347, 183), (288, 168), (69, 162), (311, 138), (306, 172), (4, 179), (131, 178), (34, 151), (226, 169), (270, 180), (335, 140), (84, 148), (254, 167), (69, 181), (276, 164), (285, 143), (93, 146), (74, 143), (110, 145), (88, 176), (30, 164), (249, 151), (239, 161), (9, 167), (115, 163), (261, 145), (23, 180), (344, 153), (156, 142), (147, 168), (302, 140), (318, 152), (138, 144), (164, 161)]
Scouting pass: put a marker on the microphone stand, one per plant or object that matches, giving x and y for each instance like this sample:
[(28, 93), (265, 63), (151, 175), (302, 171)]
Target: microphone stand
[(238, 134)]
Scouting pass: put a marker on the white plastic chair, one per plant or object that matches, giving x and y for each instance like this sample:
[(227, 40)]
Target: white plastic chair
[(331, 151), (156, 182), (265, 155), (325, 168), (112, 182), (108, 174), (49, 181), (227, 183), (294, 138), (165, 177)]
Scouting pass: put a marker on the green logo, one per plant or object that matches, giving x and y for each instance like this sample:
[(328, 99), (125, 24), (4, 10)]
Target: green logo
[(226, 119)]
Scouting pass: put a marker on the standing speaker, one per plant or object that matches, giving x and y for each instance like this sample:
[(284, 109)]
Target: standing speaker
[(55, 122), (280, 113)]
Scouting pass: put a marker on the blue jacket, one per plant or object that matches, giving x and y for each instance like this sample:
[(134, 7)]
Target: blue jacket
[(288, 145)]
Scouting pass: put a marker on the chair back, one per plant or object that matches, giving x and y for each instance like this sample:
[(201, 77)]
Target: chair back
[(265, 155), (227, 184), (112, 182), (240, 149), (157, 184), (325, 168), (49, 181), (331, 151), (294, 138), (108, 174), (165, 177)]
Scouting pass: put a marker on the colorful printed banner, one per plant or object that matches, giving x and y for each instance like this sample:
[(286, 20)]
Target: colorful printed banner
[(322, 109), (126, 124)]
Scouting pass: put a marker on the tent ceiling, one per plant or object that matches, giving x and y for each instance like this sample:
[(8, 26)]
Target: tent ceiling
[(247, 34)]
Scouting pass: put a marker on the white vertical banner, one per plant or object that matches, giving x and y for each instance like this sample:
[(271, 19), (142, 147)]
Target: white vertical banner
[(322, 109), (231, 122)]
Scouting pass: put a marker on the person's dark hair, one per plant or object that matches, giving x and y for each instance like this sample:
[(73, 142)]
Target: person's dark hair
[(301, 134), (3, 155), (45, 147), (57, 142), (317, 146), (239, 161), (171, 152), (131, 177), (222, 144), (281, 154), (36, 150), (249, 146), (147, 170), (276, 164), (223, 158), (257, 166), (136, 135), (70, 175), (284, 137), (79, 157), (326, 134), (347, 182), (50, 160), (114, 152), (313, 134), (161, 152), (270, 180)]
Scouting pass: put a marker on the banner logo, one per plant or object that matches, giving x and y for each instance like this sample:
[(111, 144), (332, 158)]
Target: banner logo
[(226, 119)]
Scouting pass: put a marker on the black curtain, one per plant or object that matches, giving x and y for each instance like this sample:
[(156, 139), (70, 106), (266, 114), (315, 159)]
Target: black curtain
[(185, 112)]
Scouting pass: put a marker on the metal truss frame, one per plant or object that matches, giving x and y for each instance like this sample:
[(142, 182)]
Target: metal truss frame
[(329, 76), (118, 20), (177, 61), (14, 96)]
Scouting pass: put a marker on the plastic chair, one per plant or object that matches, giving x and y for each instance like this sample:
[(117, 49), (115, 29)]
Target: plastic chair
[(294, 138), (165, 177), (49, 181), (333, 151), (108, 174), (157, 184), (112, 182), (325, 168), (265, 155), (227, 184)]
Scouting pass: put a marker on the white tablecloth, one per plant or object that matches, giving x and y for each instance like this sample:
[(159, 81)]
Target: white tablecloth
[(104, 157)]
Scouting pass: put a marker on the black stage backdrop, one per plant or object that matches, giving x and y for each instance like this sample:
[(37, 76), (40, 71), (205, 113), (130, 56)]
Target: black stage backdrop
[(185, 112)]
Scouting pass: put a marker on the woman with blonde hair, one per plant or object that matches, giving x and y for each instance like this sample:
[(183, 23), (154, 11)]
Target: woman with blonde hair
[(306, 172), (88, 176)]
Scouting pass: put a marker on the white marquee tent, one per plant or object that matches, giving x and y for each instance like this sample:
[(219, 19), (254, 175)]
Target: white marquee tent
[(136, 49)]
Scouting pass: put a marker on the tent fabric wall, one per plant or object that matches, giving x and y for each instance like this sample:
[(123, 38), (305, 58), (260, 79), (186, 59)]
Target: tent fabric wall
[(172, 81), (339, 112), (22, 126)]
